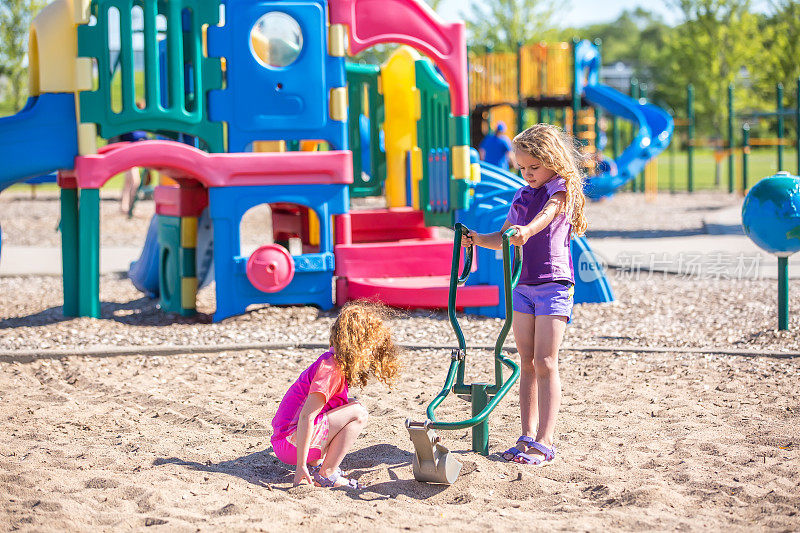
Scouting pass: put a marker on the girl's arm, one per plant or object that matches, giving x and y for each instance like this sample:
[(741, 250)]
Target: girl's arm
[(311, 408), (493, 241), (553, 207)]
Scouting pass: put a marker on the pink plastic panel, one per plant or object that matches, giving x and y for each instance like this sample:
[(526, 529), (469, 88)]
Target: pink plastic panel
[(270, 268), (430, 292), (180, 161), (410, 22)]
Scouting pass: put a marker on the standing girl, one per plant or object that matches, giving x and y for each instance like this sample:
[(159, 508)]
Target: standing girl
[(316, 422), (545, 212)]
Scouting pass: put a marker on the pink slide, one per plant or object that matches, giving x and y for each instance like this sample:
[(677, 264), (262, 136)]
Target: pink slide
[(414, 23), (407, 273)]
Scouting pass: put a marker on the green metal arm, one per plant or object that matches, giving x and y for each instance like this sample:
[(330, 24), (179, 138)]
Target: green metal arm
[(455, 374), (457, 280)]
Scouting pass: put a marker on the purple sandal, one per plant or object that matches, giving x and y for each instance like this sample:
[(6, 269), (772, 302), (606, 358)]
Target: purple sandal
[(516, 454), (548, 454)]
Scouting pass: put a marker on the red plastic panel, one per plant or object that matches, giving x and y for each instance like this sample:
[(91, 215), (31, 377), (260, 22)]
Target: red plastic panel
[(270, 268), (180, 201)]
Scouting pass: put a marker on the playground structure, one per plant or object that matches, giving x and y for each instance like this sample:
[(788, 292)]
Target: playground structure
[(216, 97), (564, 78)]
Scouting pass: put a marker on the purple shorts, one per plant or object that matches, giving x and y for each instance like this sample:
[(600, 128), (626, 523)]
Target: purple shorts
[(549, 298)]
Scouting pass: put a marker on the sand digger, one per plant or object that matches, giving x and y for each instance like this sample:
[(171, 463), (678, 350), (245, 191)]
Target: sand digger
[(433, 462)]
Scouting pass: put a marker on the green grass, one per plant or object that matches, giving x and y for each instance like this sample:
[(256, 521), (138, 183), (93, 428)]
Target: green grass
[(673, 168)]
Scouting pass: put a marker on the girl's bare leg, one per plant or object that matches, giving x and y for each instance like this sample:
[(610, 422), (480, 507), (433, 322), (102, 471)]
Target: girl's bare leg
[(344, 425), (549, 334), (523, 325)]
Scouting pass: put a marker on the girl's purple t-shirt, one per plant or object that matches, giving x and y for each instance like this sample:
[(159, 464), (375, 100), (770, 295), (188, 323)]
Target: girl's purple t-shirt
[(545, 256), (324, 376)]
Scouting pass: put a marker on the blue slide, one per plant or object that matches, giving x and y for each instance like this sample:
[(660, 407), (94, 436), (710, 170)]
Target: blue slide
[(490, 205), (41, 138), (654, 125)]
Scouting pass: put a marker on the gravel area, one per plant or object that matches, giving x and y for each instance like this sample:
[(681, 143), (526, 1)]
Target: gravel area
[(32, 222), (650, 310), (664, 311)]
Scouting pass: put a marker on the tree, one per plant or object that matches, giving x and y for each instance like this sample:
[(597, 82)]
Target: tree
[(434, 4), (501, 24), (15, 20), (634, 39), (781, 57), (716, 42)]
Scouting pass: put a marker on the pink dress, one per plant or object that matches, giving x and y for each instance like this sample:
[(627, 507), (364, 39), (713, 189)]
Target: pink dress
[(323, 376)]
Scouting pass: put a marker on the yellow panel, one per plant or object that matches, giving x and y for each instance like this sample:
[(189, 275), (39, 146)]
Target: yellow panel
[(416, 175), (54, 49), (82, 11), (83, 74), (507, 114), (338, 105), (188, 232), (459, 156), (87, 138), (313, 228), (475, 172), (189, 293), (269, 146), (336, 40), (400, 125)]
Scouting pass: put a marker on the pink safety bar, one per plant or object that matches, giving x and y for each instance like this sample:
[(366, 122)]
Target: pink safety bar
[(180, 161), (410, 22)]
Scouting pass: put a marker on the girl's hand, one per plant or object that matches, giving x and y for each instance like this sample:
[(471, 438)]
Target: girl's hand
[(301, 474), (520, 237), (467, 238)]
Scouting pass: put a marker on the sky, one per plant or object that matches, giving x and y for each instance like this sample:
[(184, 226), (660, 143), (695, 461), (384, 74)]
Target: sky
[(579, 12), (584, 12)]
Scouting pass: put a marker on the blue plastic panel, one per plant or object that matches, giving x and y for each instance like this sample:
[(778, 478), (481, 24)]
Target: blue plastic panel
[(40, 138), (312, 282), (263, 103)]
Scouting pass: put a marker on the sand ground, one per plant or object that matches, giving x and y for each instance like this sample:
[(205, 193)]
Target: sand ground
[(181, 443)]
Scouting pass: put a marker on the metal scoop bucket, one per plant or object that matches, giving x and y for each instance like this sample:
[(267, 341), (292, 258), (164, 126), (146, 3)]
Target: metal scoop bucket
[(433, 463)]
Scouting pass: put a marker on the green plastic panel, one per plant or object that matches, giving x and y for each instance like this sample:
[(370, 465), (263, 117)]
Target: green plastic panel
[(89, 253), (174, 104), (169, 263), (360, 77), (435, 130), (69, 250)]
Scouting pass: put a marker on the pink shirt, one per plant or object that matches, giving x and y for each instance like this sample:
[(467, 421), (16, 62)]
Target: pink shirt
[(323, 376)]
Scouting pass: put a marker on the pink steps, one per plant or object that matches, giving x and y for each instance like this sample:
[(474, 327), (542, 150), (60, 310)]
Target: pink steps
[(382, 225), (409, 273)]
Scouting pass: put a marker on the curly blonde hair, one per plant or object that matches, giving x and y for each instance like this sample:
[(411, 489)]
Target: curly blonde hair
[(362, 343), (558, 151)]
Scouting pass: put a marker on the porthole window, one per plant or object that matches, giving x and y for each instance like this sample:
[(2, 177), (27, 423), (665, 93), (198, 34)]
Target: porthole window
[(276, 39)]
